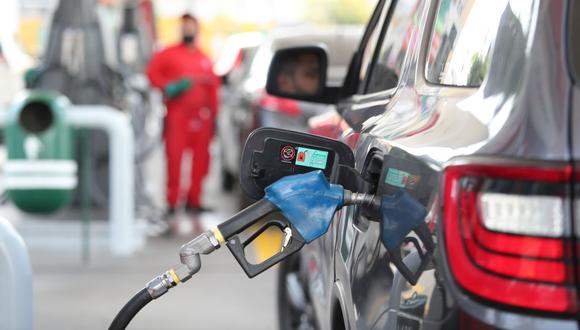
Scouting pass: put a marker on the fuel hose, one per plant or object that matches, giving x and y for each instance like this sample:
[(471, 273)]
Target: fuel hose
[(190, 252), (308, 203), (131, 308)]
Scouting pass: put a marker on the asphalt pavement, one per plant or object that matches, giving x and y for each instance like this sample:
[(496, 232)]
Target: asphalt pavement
[(72, 291)]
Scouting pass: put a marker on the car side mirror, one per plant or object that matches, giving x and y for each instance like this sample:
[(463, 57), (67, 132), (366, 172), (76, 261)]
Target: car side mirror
[(300, 73)]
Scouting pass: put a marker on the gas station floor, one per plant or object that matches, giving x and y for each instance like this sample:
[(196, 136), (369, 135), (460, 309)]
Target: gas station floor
[(72, 293)]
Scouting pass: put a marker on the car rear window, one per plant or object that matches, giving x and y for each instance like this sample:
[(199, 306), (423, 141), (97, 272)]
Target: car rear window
[(464, 35)]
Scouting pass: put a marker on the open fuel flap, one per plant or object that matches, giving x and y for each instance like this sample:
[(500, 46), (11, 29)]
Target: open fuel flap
[(401, 186), (271, 154)]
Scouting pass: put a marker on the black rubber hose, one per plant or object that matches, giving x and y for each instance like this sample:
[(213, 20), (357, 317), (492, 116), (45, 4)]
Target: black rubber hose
[(130, 309)]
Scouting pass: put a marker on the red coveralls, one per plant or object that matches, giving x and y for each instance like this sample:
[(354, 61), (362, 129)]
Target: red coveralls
[(190, 116)]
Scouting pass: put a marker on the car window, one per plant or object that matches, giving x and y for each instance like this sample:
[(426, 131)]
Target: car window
[(387, 69), (461, 41), (371, 45)]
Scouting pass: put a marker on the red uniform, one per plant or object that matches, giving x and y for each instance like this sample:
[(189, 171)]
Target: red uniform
[(189, 124)]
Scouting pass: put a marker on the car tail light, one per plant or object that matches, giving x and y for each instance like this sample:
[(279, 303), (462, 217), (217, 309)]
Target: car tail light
[(279, 104), (508, 237)]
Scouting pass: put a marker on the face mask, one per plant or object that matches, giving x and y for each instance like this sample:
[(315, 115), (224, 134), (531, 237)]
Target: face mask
[(188, 39)]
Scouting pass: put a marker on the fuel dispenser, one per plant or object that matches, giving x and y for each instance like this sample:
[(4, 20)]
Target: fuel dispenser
[(40, 173), (306, 179)]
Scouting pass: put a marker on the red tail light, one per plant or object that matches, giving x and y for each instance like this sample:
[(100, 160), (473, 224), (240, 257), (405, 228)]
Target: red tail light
[(279, 104), (508, 237)]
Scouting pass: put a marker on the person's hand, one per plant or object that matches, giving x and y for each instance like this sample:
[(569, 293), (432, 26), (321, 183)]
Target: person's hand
[(176, 88)]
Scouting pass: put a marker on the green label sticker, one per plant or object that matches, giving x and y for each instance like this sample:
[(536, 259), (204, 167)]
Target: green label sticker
[(312, 158), (397, 178)]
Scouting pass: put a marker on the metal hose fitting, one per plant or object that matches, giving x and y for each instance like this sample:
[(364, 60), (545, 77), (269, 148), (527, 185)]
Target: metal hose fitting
[(353, 198), (161, 284), (189, 255)]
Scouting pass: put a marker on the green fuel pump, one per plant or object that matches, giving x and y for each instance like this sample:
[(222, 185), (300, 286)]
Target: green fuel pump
[(40, 173)]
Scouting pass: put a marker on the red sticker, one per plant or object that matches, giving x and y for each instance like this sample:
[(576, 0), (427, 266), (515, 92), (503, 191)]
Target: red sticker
[(302, 156)]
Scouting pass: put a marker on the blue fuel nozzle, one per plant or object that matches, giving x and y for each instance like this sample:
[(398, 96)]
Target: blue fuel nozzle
[(401, 214), (307, 201)]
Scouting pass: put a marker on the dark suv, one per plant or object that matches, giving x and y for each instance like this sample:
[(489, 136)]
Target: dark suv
[(472, 107)]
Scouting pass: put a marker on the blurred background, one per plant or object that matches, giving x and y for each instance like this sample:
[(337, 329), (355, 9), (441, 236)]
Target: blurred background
[(29, 20), (95, 52)]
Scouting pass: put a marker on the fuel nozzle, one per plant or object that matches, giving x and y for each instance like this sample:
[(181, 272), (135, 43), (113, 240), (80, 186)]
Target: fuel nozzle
[(306, 204), (399, 215)]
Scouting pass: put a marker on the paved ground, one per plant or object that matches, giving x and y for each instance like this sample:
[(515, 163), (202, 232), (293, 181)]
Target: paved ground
[(70, 293)]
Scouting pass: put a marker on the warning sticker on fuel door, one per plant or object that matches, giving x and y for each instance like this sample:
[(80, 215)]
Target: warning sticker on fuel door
[(287, 153), (312, 158)]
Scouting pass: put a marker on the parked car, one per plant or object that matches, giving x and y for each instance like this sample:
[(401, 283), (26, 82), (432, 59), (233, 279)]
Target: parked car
[(253, 107), (473, 108), (232, 66)]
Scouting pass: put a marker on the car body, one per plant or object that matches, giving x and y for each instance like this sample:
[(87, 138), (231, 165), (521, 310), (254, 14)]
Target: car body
[(489, 110), (254, 108)]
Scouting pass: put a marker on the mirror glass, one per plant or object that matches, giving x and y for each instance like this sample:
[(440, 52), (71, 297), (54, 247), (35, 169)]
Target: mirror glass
[(297, 72)]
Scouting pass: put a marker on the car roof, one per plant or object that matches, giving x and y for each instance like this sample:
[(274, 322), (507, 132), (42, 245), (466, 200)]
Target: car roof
[(331, 36)]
